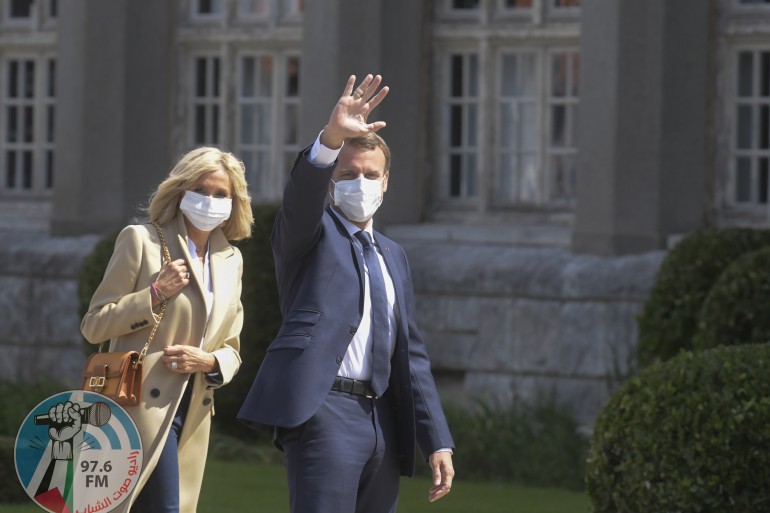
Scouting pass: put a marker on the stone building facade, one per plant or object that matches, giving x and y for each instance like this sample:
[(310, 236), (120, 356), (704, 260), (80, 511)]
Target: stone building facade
[(546, 153)]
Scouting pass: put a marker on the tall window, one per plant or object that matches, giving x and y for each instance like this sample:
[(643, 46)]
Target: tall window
[(462, 113), (206, 101), (20, 8), (751, 143), (207, 8), (508, 111), (537, 168), (28, 120), (268, 120), (561, 143), (742, 187), (519, 127)]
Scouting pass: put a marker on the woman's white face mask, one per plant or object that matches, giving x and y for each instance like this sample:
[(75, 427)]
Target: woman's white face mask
[(358, 199), (205, 212)]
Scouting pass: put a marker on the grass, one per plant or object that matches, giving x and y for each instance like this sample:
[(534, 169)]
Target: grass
[(231, 487)]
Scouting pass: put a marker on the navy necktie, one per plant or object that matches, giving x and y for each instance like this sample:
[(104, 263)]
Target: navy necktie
[(380, 331)]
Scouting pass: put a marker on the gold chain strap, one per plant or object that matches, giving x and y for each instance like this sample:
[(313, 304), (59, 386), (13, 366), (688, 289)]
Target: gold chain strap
[(163, 304)]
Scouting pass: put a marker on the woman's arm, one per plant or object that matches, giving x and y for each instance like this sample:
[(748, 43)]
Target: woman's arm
[(116, 308)]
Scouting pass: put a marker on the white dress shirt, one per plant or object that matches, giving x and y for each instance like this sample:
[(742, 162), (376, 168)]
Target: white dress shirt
[(204, 270)]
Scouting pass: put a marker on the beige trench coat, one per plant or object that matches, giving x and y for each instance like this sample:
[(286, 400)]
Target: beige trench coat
[(121, 311)]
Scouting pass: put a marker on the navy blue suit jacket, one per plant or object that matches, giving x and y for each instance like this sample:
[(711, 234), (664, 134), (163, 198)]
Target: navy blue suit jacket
[(320, 277)]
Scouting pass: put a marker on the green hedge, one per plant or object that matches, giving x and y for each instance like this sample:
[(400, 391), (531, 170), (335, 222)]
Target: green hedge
[(688, 435), (669, 319), (260, 303), (736, 308), (11, 490), (19, 400), (537, 445)]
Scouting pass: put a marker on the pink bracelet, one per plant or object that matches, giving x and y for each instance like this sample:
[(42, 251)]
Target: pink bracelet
[(157, 293)]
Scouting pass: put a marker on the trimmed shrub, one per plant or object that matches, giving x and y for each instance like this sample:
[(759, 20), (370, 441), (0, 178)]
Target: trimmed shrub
[(669, 319), (11, 490), (262, 316), (735, 309), (688, 435), (533, 445), (20, 398)]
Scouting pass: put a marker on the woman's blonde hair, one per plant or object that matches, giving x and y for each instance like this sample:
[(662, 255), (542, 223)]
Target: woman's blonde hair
[(164, 202)]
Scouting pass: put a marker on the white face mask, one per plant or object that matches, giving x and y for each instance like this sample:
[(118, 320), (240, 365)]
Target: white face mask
[(358, 199), (205, 212)]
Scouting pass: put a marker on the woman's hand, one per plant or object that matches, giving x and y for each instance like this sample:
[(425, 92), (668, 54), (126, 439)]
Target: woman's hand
[(172, 278), (188, 359)]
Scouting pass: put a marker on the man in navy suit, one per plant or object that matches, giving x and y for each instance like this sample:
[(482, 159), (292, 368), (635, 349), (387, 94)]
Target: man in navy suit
[(346, 384)]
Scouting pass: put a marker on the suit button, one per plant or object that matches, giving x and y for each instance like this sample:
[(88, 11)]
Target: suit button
[(339, 360), (154, 392), (207, 401), (353, 330)]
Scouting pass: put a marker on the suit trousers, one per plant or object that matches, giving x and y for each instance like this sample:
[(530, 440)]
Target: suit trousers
[(344, 459), (161, 491)]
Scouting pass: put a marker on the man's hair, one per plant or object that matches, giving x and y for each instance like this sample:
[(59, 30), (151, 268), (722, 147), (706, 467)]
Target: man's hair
[(372, 141)]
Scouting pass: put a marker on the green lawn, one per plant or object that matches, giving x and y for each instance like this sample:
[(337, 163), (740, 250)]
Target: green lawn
[(235, 487)]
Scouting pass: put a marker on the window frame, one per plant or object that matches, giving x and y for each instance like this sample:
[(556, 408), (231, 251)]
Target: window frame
[(267, 186), (196, 15), (443, 177), (40, 147), (19, 22), (231, 41), (480, 33), (754, 152), (208, 102)]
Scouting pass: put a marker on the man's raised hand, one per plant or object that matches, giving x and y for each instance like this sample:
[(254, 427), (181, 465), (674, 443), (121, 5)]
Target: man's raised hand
[(349, 116)]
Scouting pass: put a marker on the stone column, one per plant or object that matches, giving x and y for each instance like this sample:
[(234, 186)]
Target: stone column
[(644, 121), (344, 37), (114, 67)]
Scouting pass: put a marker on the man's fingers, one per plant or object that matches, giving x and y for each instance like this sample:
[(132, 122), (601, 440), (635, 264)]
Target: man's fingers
[(349, 86), (376, 125), (370, 85), (362, 91), (437, 492), (381, 94)]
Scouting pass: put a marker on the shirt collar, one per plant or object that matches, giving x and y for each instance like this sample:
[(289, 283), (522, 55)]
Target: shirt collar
[(353, 229), (193, 249)]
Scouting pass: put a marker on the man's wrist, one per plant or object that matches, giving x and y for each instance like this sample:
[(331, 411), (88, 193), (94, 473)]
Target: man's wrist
[(321, 155), (331, 140)]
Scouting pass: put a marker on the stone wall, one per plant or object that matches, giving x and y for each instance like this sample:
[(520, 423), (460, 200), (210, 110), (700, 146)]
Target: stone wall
[(532, 322), (529, 319), (39, 307)]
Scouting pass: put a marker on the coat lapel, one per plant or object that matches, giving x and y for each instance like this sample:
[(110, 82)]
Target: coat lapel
[(395, 274), (355, 248), (195, 276)]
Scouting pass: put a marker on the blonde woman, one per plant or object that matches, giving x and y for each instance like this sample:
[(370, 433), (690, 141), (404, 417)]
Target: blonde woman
[(200, 206)]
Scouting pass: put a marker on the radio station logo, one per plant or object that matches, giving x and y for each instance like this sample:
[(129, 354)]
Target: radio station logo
[(78, 452)]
